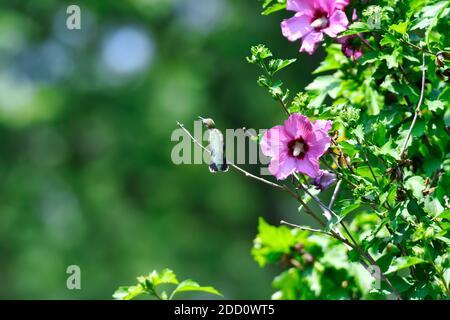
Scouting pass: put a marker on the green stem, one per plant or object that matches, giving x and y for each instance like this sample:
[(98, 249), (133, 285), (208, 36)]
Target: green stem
[(263, 65)]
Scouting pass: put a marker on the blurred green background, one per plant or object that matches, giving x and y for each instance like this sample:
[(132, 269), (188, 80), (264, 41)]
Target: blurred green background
[(86, 118)]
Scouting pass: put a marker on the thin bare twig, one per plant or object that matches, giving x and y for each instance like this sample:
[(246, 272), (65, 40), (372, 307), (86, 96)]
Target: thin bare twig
[(335, 193), (284, 106), (333, 235), (412, 45), (307, 228), (417, 111), (246, 173)]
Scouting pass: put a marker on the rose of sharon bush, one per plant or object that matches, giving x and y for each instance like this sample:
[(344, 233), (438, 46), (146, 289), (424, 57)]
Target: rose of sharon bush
[(312, 20), (296, 146)]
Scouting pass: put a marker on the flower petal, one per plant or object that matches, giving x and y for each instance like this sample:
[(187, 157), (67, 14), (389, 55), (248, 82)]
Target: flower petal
[(282, 167), (325, 5), (296, 27), (354, 15), (324, 180), (304, 6), (338, 23), (324, 125), (330, 6), (274, 141), (310, 41), (308, 166), (357, 54), (297, 126), (318, 147), (341, 4)]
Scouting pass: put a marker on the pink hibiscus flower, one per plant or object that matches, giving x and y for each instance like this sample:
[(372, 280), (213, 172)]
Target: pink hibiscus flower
[(351, 45), (296, 146), (312, 20)]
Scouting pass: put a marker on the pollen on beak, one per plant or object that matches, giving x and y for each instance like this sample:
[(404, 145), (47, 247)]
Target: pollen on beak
[(320, 23), (298, 149)]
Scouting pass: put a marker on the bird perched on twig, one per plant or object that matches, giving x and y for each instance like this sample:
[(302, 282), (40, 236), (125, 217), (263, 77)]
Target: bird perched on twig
[(216, 146)]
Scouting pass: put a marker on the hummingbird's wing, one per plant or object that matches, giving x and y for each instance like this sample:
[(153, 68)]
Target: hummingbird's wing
[(217, 148)]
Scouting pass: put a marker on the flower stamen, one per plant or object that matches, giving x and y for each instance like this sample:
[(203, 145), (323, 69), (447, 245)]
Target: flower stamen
[(320, 23), (298, 148)]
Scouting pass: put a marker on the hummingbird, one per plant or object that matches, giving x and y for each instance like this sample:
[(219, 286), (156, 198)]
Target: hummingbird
[(216, 146)]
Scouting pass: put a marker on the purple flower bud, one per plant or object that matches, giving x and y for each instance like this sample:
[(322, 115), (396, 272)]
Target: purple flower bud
[(324, 180)]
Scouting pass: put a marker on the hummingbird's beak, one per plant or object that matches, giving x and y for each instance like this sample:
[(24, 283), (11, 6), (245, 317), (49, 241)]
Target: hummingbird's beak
[(201, 118)]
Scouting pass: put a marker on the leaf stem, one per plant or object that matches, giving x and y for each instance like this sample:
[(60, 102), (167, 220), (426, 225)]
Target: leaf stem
[(263, 64)]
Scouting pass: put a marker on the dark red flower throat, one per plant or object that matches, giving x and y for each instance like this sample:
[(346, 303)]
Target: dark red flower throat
[(298, 148)]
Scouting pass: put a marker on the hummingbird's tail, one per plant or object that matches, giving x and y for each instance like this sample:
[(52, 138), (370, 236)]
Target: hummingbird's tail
[(215, 167)]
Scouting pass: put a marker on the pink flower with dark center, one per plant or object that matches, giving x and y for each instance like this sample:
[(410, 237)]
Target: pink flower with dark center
[(351, 45), (296, 146), (312, 20)]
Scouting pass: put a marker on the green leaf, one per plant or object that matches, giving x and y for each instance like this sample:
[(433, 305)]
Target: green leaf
[(391, 60), (258, 54), (349, 208), (333, 61), (359, 132), (428, 15), (320, 83), (388, 84), (401, 27), (190, 285), (416, 184), (323, 86), (365, 172), (148, 284), (271, 243), (447, 117), (433, 206), (300, 100), (402, 263), (435, 105), (388, 149), (357, 27), (445, 215), (276, 65), (128, 293), (166, 276), (388, 40), (274, 8), (374, 101)]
